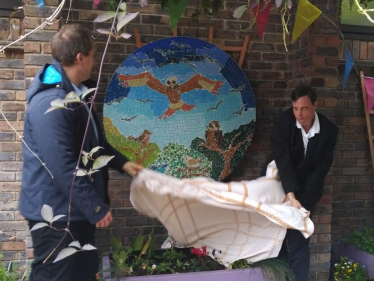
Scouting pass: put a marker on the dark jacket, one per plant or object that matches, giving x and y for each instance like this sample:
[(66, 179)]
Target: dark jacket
[(302, 175), (56, 138)]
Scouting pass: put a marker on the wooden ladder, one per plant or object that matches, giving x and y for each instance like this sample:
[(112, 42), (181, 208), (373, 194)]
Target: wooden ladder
[(367, 116), (242, 49)]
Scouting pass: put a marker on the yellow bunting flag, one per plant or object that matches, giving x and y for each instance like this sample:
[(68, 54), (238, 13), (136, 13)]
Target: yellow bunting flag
[(306, 14)]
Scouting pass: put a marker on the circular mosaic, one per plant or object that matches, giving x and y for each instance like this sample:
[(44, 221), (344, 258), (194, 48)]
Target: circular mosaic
[(180, 106)]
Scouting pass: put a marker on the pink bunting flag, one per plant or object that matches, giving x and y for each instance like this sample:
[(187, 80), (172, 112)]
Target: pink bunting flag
[(96, 2), (369, 87), (262, 17)]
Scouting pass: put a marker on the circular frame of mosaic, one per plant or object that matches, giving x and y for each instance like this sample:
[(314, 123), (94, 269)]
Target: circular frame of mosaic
[(181, 106)]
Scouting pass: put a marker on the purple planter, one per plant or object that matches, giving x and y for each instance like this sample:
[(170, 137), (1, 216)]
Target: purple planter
[(359, 256), (249, 274)]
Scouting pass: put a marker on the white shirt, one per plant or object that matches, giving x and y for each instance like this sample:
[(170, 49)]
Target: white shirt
[(313, 130)]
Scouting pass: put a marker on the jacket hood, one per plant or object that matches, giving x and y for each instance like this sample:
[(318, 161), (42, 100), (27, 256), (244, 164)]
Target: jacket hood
[(39, 83)]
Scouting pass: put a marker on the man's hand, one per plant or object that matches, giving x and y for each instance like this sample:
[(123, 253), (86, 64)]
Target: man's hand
[(294, 202), (105, 221), (132, 168)]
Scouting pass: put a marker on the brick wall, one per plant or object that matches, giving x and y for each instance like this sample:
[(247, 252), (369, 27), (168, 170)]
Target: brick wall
[(316, 58)]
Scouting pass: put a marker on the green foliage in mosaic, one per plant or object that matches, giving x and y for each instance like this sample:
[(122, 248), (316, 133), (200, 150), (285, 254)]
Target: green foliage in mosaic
[(129, 148), (217, 158), (179, 162)]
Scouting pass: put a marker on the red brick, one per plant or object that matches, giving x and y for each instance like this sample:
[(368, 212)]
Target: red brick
[(4, 127), (20, 95), (371, 51), (30, 71), (10, 146), (363, 50), (13, 246), (29, 253), (333, 41), (32, 47), (46, 47), (6, 74), (324, 219), (12, 106)]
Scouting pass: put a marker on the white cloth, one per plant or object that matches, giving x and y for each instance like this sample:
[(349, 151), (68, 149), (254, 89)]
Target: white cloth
[(315, 129), (239, 220)]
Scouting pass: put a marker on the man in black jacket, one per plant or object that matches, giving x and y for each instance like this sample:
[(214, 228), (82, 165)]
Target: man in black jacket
[(57, 138), (302, 145)]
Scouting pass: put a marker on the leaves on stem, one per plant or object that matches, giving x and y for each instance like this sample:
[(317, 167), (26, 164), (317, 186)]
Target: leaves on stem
[(65, 253), (239, 11), (105, 16), (101, 161)]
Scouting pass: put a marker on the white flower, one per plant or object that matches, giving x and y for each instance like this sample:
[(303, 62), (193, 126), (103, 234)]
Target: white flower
[(154, 266)]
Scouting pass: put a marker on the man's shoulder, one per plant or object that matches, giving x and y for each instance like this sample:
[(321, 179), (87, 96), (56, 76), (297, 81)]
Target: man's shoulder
[(326, 124)]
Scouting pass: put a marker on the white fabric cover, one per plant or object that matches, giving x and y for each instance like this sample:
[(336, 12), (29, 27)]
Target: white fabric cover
[(239, 220)]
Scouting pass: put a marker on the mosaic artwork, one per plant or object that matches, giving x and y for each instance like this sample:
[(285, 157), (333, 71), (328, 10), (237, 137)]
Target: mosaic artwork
[(181, 106)]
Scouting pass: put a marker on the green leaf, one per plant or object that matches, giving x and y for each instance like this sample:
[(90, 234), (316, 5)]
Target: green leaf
[(39, 225), (47, 213), (101, 161), (65, 253), (105, 16), (57, 102), (88, 247), (75, 244), (87, 92), (125, 19), (72, 95), (123, 256), (53, 108), (239, 11), (123, 6), (84, 160), (90, 172), (81, 173), (58, 217), (116, 243), (137, 244), (124, 35), (95, 149), (105, 31)]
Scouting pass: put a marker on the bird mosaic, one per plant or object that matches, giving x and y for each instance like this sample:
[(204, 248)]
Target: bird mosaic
[(180, 106), (172, 89)]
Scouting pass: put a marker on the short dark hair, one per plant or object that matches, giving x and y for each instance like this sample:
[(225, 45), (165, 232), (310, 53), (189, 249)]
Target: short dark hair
[(71, 40), (302, 91)]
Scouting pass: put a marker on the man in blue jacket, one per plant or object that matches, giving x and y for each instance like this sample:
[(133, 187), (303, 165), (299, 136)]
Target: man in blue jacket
[(302, 145), (57, 138)]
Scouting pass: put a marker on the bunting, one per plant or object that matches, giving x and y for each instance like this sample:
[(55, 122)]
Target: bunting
[(262, 17), (40, 3), (306, 14), (348, 66), (96, 2), (369, 87), (175, 11)]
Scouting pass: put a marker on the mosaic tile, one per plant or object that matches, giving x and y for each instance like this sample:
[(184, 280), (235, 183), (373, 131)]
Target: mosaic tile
[(181, 106)]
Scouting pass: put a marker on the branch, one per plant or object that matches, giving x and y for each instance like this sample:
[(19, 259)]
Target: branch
[(234, 139), (21, 138), (48, 21), (247, 139), (364, 11), (211, 148)]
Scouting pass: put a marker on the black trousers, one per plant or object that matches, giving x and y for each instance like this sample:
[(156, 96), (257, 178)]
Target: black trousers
[(296, 249), (81, 266)]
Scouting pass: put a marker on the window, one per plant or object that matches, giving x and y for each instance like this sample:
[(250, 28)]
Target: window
[(354, 24)]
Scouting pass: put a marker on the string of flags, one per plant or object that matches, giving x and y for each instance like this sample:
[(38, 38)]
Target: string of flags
[(306, 14)]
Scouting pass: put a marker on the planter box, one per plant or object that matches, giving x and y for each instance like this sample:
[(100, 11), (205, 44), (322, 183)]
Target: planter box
[(359, 256), (249, 274)]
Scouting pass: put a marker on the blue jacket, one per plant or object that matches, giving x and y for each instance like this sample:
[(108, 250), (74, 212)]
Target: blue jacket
[(57, 137)]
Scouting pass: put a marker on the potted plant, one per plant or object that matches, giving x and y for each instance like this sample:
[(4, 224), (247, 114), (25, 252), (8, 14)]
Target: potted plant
[(360, 248), (348, 270), (139, 260)]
